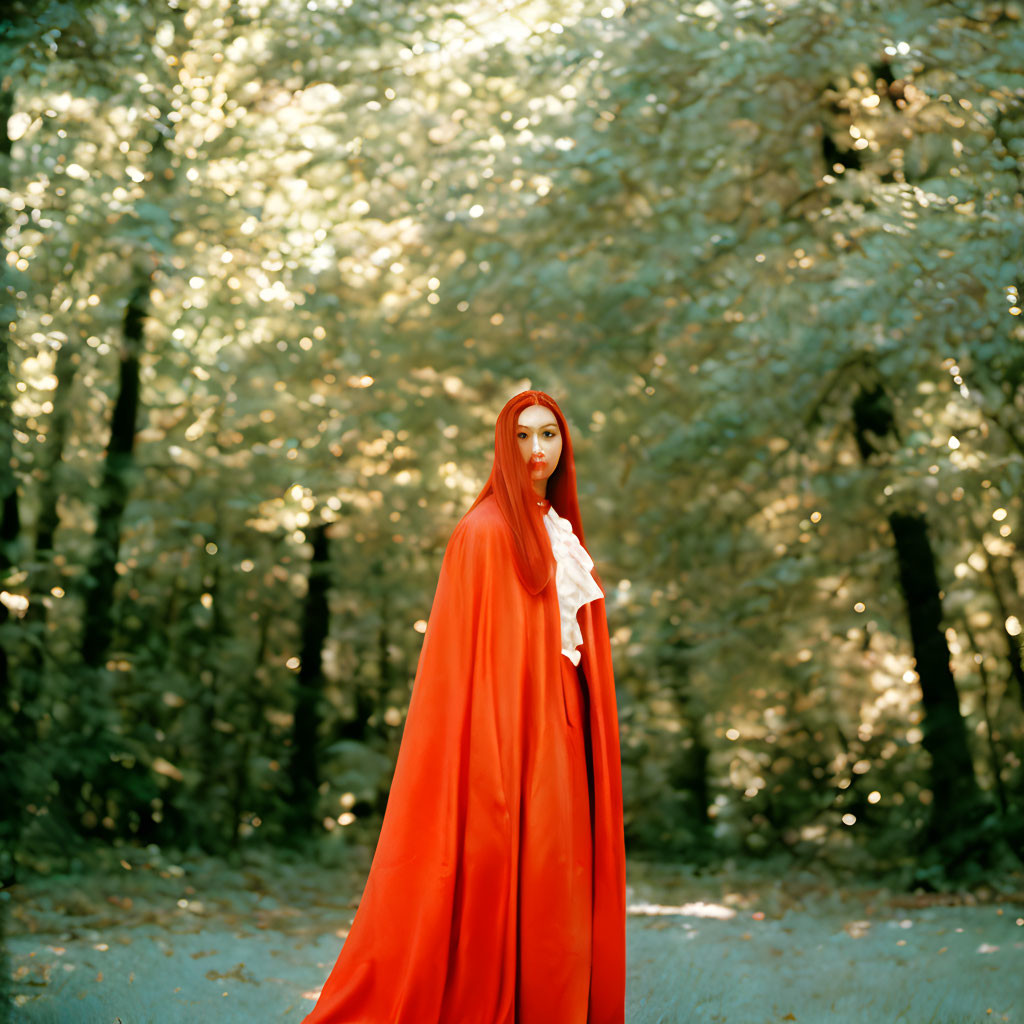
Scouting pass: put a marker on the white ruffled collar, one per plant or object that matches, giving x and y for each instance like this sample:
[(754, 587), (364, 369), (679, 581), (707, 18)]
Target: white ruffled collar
[(573, 580)]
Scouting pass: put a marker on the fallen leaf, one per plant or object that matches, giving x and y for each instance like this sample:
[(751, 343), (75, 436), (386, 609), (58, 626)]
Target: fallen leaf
[(237, 973)]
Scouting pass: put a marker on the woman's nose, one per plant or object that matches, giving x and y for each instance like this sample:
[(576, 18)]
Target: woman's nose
[(536, 444)]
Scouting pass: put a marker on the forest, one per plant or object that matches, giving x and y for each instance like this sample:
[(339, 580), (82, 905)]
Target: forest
[(271, 267)]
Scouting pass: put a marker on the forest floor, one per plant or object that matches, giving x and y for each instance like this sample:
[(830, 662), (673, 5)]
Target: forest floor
[(158, 940)]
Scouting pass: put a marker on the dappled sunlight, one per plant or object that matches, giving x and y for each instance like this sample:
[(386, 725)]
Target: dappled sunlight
[(699, 909)]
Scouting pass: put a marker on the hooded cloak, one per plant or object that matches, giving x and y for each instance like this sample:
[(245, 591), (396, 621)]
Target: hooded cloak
[(496, 894)]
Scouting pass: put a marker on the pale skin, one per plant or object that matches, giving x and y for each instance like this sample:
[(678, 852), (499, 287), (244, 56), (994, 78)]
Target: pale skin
[(540, 442)]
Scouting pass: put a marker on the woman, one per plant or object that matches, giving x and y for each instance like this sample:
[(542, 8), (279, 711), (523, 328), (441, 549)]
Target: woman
[(497, 891)]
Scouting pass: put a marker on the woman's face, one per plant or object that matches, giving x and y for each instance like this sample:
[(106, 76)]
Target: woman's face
[(540, 441)]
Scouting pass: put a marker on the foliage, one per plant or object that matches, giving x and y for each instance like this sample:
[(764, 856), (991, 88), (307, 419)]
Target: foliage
[(706, 227)]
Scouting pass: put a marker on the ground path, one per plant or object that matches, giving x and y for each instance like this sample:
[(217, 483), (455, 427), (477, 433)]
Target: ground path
[(163, 941)]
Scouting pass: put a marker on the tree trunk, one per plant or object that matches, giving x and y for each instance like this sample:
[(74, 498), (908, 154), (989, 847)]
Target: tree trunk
[(10, 519), (1013, 641), (304, 764), (994, 757), (688, 768), (384, 640), (954, 789), (250, 731), (14, 735), (956, 802), (56, 437), (98, 616), (45, 576), (212, 700)]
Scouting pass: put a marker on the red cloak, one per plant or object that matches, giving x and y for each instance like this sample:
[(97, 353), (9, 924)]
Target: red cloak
[(489, 899)]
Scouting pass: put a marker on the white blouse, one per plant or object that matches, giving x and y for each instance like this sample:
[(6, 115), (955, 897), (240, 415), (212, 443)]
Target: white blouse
[(573, 582)]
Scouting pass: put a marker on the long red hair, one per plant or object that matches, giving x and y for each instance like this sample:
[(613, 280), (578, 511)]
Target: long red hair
[(512, 488)]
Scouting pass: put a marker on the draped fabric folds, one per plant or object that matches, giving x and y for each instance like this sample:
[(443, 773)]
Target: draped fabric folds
[(493, 896)]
